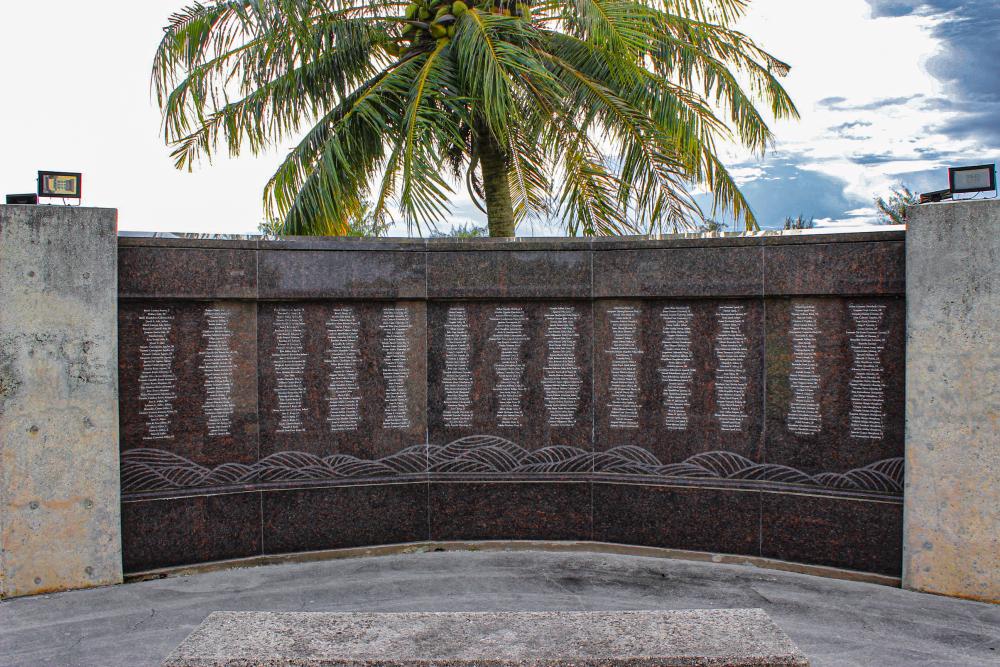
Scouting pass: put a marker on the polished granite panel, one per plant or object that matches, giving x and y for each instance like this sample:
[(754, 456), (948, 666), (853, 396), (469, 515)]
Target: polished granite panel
[(508, 274), (679, 377), (183, 531), (678, 272), (696, 519), (343, 378), (511, 405), (341, 274), (510, 511), (187, 373), (853, 534), (187, 273), (835, 373), (844, 269), (519, 371), (344, 516)]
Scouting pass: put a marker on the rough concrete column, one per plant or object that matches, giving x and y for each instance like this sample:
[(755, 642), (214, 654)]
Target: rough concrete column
[(59, 486), (952, 494)]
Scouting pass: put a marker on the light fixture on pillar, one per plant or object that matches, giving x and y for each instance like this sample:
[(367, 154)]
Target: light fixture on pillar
[(26, 198), (60, 184), (981, 178), (964, 180)]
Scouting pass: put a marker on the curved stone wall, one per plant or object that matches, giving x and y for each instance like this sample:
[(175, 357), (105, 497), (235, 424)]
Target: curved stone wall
[(733, 395)]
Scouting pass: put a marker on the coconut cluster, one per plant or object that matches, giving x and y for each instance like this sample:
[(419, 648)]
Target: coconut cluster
[(434, 18), (437, 19)]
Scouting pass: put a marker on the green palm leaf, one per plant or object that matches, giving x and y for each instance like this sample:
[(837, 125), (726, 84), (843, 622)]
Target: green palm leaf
[(600, 114)]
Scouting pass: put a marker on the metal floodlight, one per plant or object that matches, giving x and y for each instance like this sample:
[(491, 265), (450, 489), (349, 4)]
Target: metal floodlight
[(27, 198), (981, 178), (60, 184)]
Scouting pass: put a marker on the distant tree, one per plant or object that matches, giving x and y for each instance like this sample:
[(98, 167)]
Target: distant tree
[(892, 211), (364, 224), (463, 231), (711, 225), (800, 223), (270, 228)]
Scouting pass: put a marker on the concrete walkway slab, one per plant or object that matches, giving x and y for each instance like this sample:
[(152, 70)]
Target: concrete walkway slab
[(680, 638), (839, 623)]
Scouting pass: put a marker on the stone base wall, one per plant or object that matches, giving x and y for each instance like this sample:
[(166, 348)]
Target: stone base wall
[(59, 483), (733, 395)]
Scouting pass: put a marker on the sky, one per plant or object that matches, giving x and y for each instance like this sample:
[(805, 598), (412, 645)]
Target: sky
[(890, 92)]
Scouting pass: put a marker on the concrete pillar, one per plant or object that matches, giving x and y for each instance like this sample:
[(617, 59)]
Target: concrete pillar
[(59, 486), (952, 493)]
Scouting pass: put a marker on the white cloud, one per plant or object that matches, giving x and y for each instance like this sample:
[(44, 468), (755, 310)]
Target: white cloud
[(837, 50)]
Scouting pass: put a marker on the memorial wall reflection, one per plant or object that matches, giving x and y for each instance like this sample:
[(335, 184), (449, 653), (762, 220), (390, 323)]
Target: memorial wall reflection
[(768, 425)]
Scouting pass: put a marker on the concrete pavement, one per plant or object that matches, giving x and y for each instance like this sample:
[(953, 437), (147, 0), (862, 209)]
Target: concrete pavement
[(833, 622)]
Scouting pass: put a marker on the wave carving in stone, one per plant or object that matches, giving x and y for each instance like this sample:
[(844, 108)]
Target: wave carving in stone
[(153, 470)]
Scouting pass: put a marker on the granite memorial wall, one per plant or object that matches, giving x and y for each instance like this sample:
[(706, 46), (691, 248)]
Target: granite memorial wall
[(734, 395)]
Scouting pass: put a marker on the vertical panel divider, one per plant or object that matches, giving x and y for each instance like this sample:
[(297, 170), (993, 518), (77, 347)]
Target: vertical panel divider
[(762, 447), (593, 391), (256, 343), (427, 390)]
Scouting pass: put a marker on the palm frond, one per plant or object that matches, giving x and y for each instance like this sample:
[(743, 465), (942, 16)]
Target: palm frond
[(600, 113)]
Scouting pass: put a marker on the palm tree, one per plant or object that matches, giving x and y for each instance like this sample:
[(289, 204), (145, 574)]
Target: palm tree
[(597, 113)]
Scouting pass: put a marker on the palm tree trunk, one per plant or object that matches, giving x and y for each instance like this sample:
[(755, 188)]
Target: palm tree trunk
[(493, 162)]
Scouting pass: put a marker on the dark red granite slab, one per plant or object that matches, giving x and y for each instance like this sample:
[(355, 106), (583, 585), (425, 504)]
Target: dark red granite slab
[(693, 425), (183, 531), (341, 274), (537, 394), (720, 272), (510, 511), (209, 416), (842, 269), (853, 534), (344, 516), (821, 429), (698, 470), (508, 274), (382, 423), (187, 273), (697, 519)]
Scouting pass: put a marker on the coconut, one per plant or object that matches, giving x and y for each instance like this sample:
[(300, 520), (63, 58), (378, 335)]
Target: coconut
[(451, 31), (438, 31), (458, 8)]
